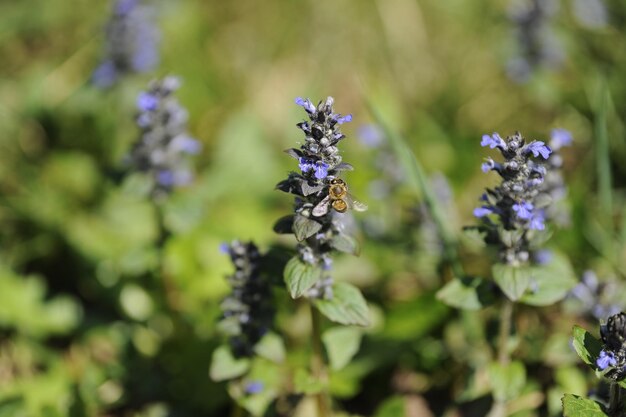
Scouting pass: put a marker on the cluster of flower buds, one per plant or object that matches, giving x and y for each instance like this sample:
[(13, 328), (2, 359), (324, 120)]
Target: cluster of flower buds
[(612, 358), (247, 312), (514, 211), (131, 43), (164, 141), (321, 196), (536, 42)]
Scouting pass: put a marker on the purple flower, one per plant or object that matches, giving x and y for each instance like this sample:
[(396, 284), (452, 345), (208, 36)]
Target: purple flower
[(321, 170), (225, 248), (490, 165), (305, 164), (493, 141), (523, 210), (165, 178), (537, 221), (543, 257), (539, 148), (605, 360), (482, 211), (147, 102), (344, 119), (123, 7), (371, 135), (306, 104), (186, 144), (560, 138), (105, 75), (253, 387)]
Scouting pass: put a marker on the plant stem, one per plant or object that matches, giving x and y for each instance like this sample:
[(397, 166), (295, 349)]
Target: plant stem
[(237, 411), (616, 401), (505, 331), (499, 405), (318, 367)]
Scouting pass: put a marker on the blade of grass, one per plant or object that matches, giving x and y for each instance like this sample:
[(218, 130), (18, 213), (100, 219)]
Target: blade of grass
[(602, 153), (416, 175)]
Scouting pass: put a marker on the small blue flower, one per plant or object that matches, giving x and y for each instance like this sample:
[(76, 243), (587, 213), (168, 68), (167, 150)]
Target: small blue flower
[(344, 119), (166, 178), (253, 387), (225, 248), (539, 148), (543, 257), (371, 135), (560, 138), (523, 210), (147, 102), (482, 211), (321, 170), (306, 104), (605, 360), (186, 144), (490, 165), (305, 164), (537, 221), (493, 141)]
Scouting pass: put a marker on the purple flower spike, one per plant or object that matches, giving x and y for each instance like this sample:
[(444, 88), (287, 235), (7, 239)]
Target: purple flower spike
[(147, 102), (560, 138), (482, 211), (523, 210), (493, 141), (605, 360), (306, 104), (539, 148)]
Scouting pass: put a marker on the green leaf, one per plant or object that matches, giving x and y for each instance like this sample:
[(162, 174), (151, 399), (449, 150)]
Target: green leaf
[(300, 276), (575, 406), (550, 283), (284, 225), (305, 383), (346, 307), (225, 366), (512, 280), (507, 381), (586, 346), (345, 243), (304, 227), (466, 293), (341, 344), (394, 406), (271, 347)]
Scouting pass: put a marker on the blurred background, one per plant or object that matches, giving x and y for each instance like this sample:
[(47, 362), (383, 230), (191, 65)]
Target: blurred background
[(97, 318)]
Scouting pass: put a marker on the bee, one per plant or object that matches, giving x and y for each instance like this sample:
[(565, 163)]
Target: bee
[(338, 198)]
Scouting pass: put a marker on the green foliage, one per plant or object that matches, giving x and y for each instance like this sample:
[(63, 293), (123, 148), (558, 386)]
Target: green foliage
[(507, 381), (466, 293), (512, 280), (346, 307), (225, 366), (551, 282), (575, 406), (341, 344), (300, 276), (587, 347)]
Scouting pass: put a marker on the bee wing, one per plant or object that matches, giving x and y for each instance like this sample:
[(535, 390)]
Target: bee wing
[(322, 207), (355, 204)]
